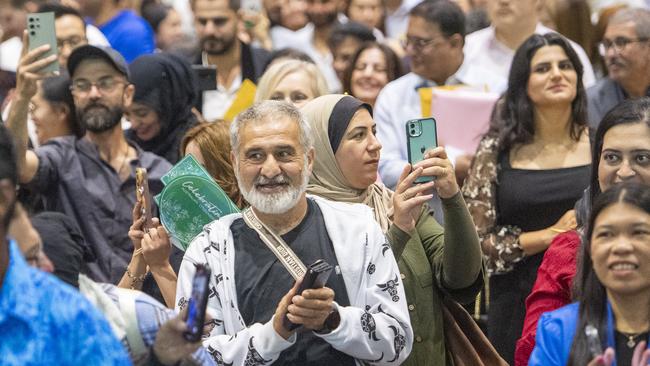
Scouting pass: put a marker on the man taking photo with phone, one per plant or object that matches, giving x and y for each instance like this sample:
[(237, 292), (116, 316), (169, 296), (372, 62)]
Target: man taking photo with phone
[(359, 315), (91, 179)]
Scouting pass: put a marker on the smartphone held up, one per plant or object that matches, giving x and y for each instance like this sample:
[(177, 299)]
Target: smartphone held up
[(198, 303), (40, 30), (421, 136)]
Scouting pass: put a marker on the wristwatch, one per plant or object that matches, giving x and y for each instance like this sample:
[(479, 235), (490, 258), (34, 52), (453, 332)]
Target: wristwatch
[(331, 323)]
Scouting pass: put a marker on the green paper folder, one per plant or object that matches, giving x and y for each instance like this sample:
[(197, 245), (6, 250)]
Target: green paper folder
[(190, 200)]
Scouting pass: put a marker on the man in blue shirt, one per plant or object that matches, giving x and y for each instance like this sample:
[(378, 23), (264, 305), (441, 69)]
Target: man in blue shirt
[(126, 31), (42, 320)]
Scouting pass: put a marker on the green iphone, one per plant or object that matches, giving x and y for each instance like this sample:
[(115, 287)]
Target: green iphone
[(421, 136), (40, 27)]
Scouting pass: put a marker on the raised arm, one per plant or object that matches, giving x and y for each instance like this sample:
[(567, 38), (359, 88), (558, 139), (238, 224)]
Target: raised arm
[(27, 77)]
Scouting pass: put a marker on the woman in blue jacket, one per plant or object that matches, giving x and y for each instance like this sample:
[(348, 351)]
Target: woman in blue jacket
[(614, 274)]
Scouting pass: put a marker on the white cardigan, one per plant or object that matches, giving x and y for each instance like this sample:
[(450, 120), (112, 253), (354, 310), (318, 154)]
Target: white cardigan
[(375, 328)]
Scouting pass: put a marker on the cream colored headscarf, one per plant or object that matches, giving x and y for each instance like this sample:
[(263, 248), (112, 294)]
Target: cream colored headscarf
[(326, 179)]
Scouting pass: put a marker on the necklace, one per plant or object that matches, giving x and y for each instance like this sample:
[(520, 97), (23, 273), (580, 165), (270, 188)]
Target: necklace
[(631, 338)]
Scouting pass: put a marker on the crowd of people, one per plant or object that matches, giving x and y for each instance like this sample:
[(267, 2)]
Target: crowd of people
[(297, 110)]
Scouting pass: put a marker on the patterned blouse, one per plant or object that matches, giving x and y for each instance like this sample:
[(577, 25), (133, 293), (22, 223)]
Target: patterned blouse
[(500, 244)]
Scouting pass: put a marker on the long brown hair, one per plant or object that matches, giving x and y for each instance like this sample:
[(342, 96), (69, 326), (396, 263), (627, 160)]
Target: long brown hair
[(213, 140)]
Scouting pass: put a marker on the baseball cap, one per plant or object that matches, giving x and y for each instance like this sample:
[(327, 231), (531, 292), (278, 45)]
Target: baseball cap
[(106, 53)]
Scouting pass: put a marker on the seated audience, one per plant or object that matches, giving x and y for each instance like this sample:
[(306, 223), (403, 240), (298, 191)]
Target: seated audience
[(359, 315), (626, 48), (613, 309), (372, 67), (42, 319), (159, 333), (52, 110), (293, 81), (448, 260), (344, 41), (622, 142), (91, 179), (161, 111), (493, 48), (209, 143), (530, 169)]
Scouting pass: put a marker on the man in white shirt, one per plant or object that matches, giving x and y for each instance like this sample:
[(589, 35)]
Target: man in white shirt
[(434, 44), (493, 48)]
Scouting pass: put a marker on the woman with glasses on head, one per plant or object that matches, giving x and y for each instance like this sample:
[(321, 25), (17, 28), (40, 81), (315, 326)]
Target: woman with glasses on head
[(529, 170), (621, 153), (613, 308), (372, 67)]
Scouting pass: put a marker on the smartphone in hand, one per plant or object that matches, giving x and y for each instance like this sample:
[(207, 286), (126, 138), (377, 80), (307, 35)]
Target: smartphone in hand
[(316, 277), (421, 135), (206, 77), (198, 303), (40, 29), (143, 196)]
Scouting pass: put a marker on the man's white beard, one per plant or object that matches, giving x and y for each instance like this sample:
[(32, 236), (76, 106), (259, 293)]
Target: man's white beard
[(275, 203)]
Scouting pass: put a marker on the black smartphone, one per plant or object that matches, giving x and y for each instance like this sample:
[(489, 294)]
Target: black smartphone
[(206, 77), (198, 303), (316, 277), (421, 135)]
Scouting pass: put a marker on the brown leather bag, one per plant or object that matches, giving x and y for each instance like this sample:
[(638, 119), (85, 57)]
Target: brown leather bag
[(464, 340)]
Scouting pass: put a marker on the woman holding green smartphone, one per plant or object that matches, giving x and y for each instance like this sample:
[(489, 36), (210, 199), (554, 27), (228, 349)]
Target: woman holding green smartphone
[(433, 260)]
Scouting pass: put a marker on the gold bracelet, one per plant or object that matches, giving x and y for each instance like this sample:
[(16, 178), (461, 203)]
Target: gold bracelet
[(559, 231), (135, 279)]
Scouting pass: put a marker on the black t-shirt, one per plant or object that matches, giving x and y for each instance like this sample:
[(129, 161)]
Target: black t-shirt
[(262, 281), (624, 352)]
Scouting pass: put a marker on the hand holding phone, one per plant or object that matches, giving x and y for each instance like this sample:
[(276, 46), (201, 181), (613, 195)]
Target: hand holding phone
[(143, 196), (198, 303), (421, 136), (206, 77), (40, 30), (317, 275)]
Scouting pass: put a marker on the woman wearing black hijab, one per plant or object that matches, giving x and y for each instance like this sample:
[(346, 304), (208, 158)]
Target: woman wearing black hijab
[(161, 111)]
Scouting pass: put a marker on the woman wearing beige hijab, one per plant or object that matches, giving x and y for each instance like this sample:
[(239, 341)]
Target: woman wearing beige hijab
[(432, 260)]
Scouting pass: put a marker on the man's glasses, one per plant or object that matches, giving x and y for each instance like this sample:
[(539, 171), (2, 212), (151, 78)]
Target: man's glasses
[(73, 41), (104, 85), (618, 43), (418, 43)]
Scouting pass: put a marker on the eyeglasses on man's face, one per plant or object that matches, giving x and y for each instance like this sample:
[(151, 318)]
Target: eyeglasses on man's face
[(72, 42), (618, 44), (104, 85), (420, 44)]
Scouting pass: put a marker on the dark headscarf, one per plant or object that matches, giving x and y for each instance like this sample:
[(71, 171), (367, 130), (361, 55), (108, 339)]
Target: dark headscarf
[(63, 244), (165, 83)]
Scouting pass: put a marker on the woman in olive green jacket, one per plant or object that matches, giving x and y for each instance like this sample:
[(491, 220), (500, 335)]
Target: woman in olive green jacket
[(433, 261)]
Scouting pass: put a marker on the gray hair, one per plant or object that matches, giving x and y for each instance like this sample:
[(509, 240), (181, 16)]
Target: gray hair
[(640, 17), (271, 109)]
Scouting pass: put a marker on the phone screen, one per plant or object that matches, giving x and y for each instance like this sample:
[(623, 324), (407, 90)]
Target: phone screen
[(197, 303)]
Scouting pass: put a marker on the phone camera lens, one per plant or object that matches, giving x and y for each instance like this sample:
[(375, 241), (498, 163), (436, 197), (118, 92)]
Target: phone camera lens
[(31, 19), (32, 33), (31, 26)]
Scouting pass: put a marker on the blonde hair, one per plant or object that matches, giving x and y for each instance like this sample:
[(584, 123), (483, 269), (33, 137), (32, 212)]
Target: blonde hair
[(213, 141), (278, 70)]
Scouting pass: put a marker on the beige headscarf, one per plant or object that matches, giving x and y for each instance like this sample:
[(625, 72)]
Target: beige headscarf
[(326, 179)]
